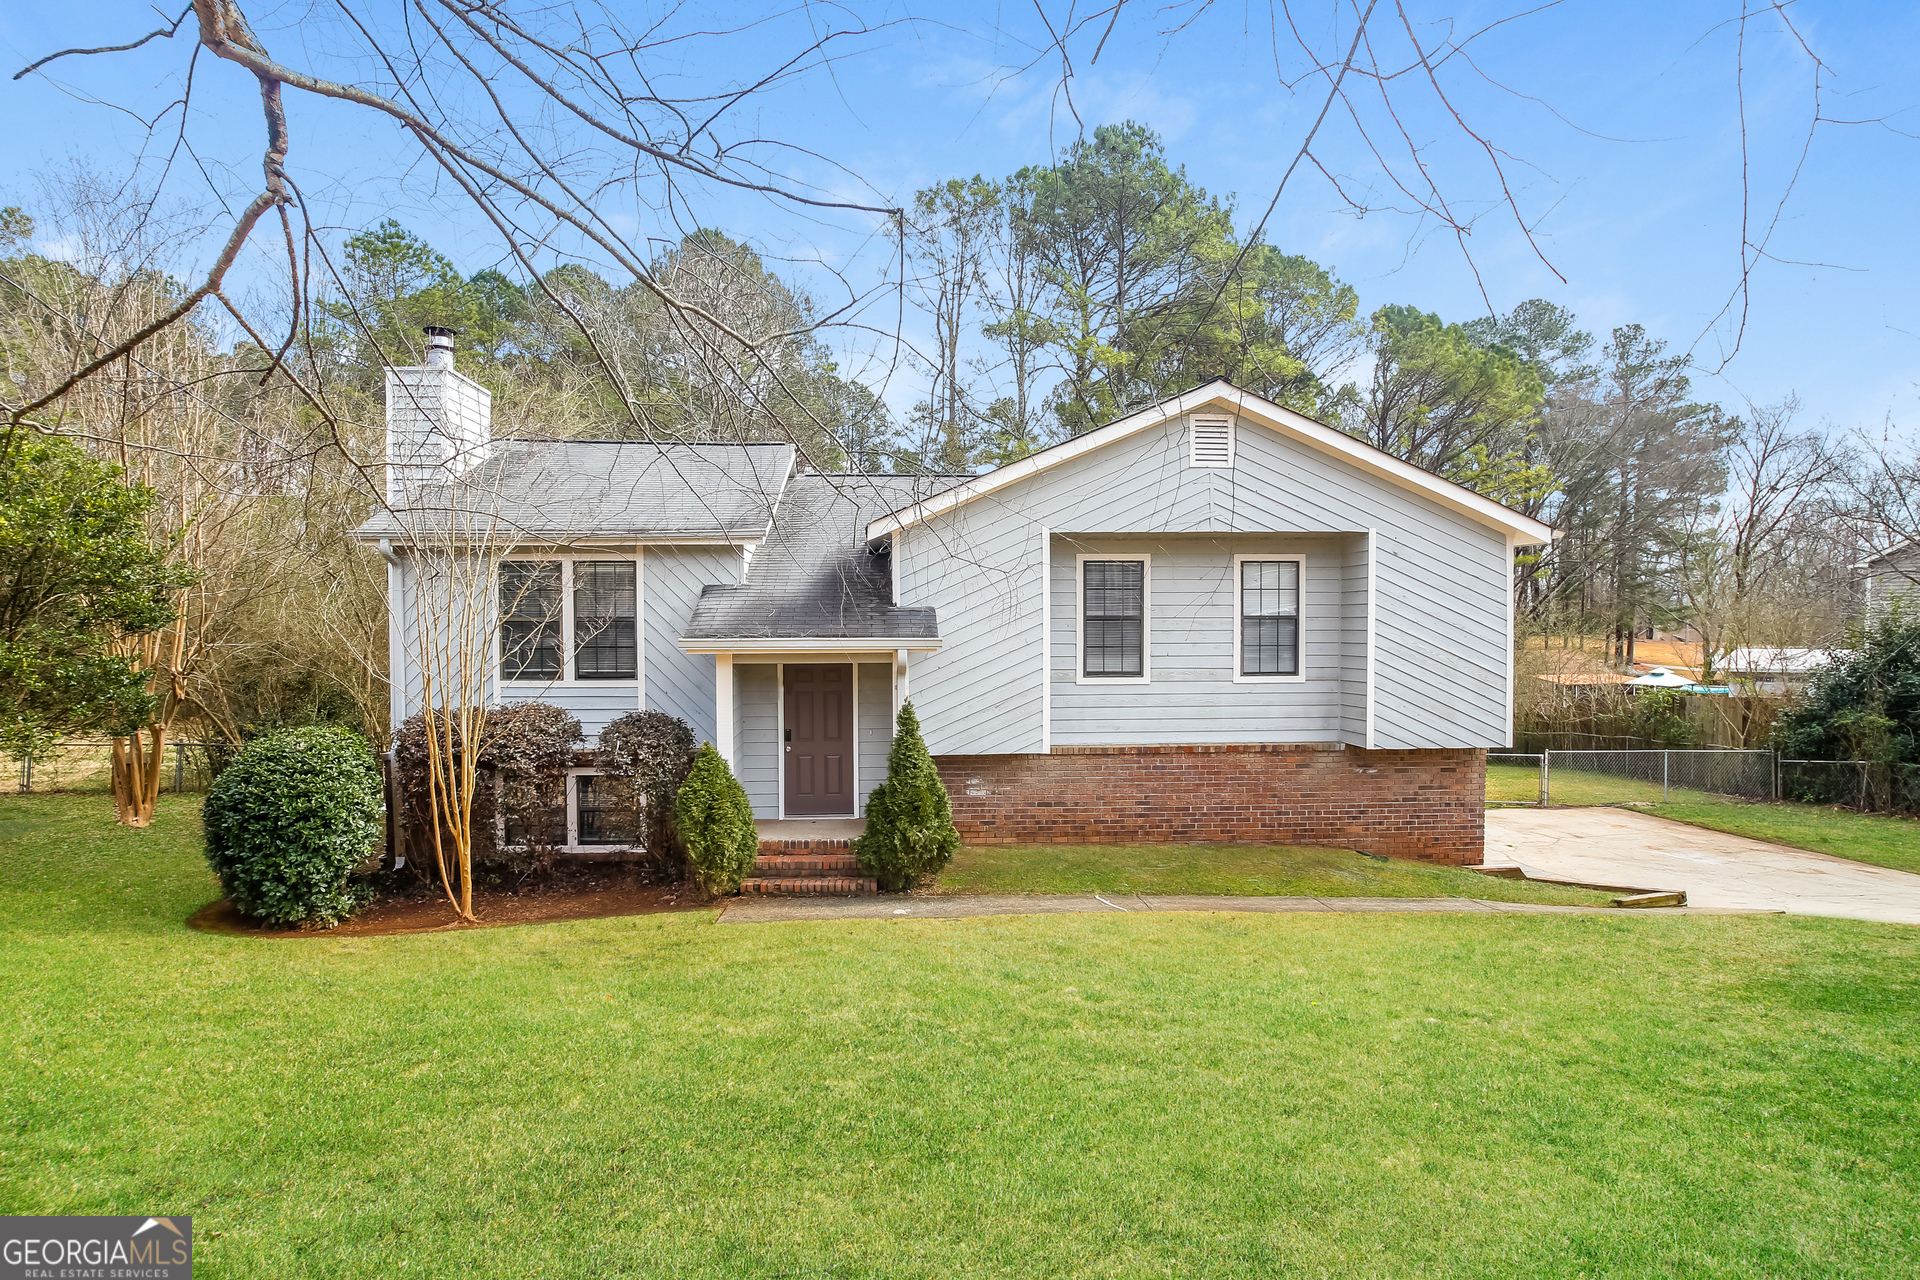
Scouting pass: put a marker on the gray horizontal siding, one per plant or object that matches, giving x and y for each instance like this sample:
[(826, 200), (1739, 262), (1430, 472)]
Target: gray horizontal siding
[(873, 719), (1440, 670), (756, 740), (1193, 696), (1894, 582), (595, 704), (982, 693), (681, 683)]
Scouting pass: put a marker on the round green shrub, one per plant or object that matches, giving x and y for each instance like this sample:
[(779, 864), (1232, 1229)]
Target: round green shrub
[(289, 818), (715, 820), (910, 832)]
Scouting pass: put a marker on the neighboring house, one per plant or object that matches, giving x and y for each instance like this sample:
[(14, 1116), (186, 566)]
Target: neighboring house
[(1892, 579), (1213, 620), (1779, 672)]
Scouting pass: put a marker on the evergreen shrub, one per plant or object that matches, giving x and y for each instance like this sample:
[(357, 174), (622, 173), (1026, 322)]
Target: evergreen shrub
[(715, 822), (910, 832), (289, 819)]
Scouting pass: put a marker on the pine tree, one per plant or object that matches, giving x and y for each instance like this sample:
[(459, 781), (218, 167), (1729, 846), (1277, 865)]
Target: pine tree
[(910, 830)]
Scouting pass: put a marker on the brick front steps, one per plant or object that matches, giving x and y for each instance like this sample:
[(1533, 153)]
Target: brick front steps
[(805, 868)]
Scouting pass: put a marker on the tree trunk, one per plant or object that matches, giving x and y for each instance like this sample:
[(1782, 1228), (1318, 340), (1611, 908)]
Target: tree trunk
[(136, 776)]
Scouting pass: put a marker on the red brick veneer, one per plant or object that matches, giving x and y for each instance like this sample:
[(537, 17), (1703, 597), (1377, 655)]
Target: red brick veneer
[(1429, 805)]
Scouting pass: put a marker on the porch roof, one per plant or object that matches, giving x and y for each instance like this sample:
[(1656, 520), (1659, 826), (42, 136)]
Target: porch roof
[(815, 577)]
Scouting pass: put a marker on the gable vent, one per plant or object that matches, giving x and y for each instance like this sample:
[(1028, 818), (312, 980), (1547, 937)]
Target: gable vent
[(1211, 441)]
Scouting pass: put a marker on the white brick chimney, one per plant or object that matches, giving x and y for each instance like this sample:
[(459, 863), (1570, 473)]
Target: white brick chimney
[(439, 421)]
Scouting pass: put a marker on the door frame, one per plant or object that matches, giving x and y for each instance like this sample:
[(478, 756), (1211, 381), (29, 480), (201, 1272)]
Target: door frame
[(853, 751)]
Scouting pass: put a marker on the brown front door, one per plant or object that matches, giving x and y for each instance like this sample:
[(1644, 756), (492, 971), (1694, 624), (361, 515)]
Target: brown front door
[(819, 733)]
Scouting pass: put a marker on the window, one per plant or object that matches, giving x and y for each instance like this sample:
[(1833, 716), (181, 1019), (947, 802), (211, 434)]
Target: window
[(604, 644), (1210, 442), (556, 612), (1113, 619), (597, 815), (1269, 639), (530, 619)]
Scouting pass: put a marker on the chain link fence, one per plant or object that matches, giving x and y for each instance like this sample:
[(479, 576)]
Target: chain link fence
[(1867, 785), (88, 767), (1629, 777)]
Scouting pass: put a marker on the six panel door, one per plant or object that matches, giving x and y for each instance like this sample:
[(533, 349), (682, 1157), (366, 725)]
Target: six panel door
[(818, 752)]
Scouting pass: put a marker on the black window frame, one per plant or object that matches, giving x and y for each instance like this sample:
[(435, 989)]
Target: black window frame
[(606, 645), (1277, 632), (1105, 628), (527, 631)]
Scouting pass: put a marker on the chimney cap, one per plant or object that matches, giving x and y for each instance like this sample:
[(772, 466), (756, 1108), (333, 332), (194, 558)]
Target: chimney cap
[(440, 331)]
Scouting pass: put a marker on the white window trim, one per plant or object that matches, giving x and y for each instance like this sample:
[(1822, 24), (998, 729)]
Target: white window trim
[(573, 844), (1233, 443), (1301, 617), (1080, 675), (567, 678)]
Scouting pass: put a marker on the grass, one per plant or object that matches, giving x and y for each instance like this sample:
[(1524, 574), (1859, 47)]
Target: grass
[(1259, 870), (1117, 1095), (1510, 784), (1879, 839)]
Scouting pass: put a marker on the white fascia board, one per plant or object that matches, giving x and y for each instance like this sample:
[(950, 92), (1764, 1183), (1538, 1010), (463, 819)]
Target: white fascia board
[(1520, 529), (832, 644)]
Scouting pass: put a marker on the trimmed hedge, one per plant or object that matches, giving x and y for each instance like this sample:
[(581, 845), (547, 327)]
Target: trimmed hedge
[(715, 820), (648, 754), (287, 821), (910, 832)]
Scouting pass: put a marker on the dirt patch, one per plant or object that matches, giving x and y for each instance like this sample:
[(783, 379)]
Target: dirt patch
[(582, 894)]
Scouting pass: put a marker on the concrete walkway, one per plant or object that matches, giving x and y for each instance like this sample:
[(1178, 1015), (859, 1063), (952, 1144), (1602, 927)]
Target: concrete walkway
[(959, 906), (1718, 871)]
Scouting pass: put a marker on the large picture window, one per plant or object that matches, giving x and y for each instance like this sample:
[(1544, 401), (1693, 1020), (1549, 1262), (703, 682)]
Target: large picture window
[(605, 646), (1269, 617), (1113, 622), (530, 620)]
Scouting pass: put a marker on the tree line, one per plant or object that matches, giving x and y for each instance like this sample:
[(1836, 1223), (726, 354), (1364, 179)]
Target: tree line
[(1051, 302)]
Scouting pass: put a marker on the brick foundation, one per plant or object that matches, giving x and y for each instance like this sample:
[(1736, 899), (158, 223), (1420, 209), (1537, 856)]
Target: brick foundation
[(1429, 805)]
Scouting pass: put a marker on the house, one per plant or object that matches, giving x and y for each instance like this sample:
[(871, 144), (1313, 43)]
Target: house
[(1212, 620), (1776, 671), (1892, 581)]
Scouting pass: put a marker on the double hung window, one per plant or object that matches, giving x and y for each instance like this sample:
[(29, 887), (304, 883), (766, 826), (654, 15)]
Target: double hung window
[(605, 646), (597, 817), (1269, 617), (1113, 623), (530, 620), (540, 634)]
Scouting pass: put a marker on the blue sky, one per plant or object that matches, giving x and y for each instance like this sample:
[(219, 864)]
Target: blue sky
[(1618, 125)]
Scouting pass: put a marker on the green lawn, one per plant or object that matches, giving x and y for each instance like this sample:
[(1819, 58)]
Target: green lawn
[(1864, 837), (1261, 870), (1609, 1094), (1510, 784)]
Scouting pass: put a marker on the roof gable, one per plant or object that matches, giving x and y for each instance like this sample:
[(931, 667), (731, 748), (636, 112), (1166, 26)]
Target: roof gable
[(1519, 529)]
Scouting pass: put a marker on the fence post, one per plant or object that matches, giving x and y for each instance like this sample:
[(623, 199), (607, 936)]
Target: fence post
[(179, 766), (1546, 777), (1666, 775)]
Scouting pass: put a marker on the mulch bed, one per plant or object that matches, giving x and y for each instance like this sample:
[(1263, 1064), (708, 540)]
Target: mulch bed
[(585, 893)]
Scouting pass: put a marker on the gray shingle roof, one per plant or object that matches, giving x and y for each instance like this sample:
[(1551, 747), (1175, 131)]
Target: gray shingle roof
[(560, 490), (814, 578)]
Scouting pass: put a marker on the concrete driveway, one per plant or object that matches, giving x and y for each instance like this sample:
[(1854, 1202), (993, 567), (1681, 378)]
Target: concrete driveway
[(1619, 846)]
